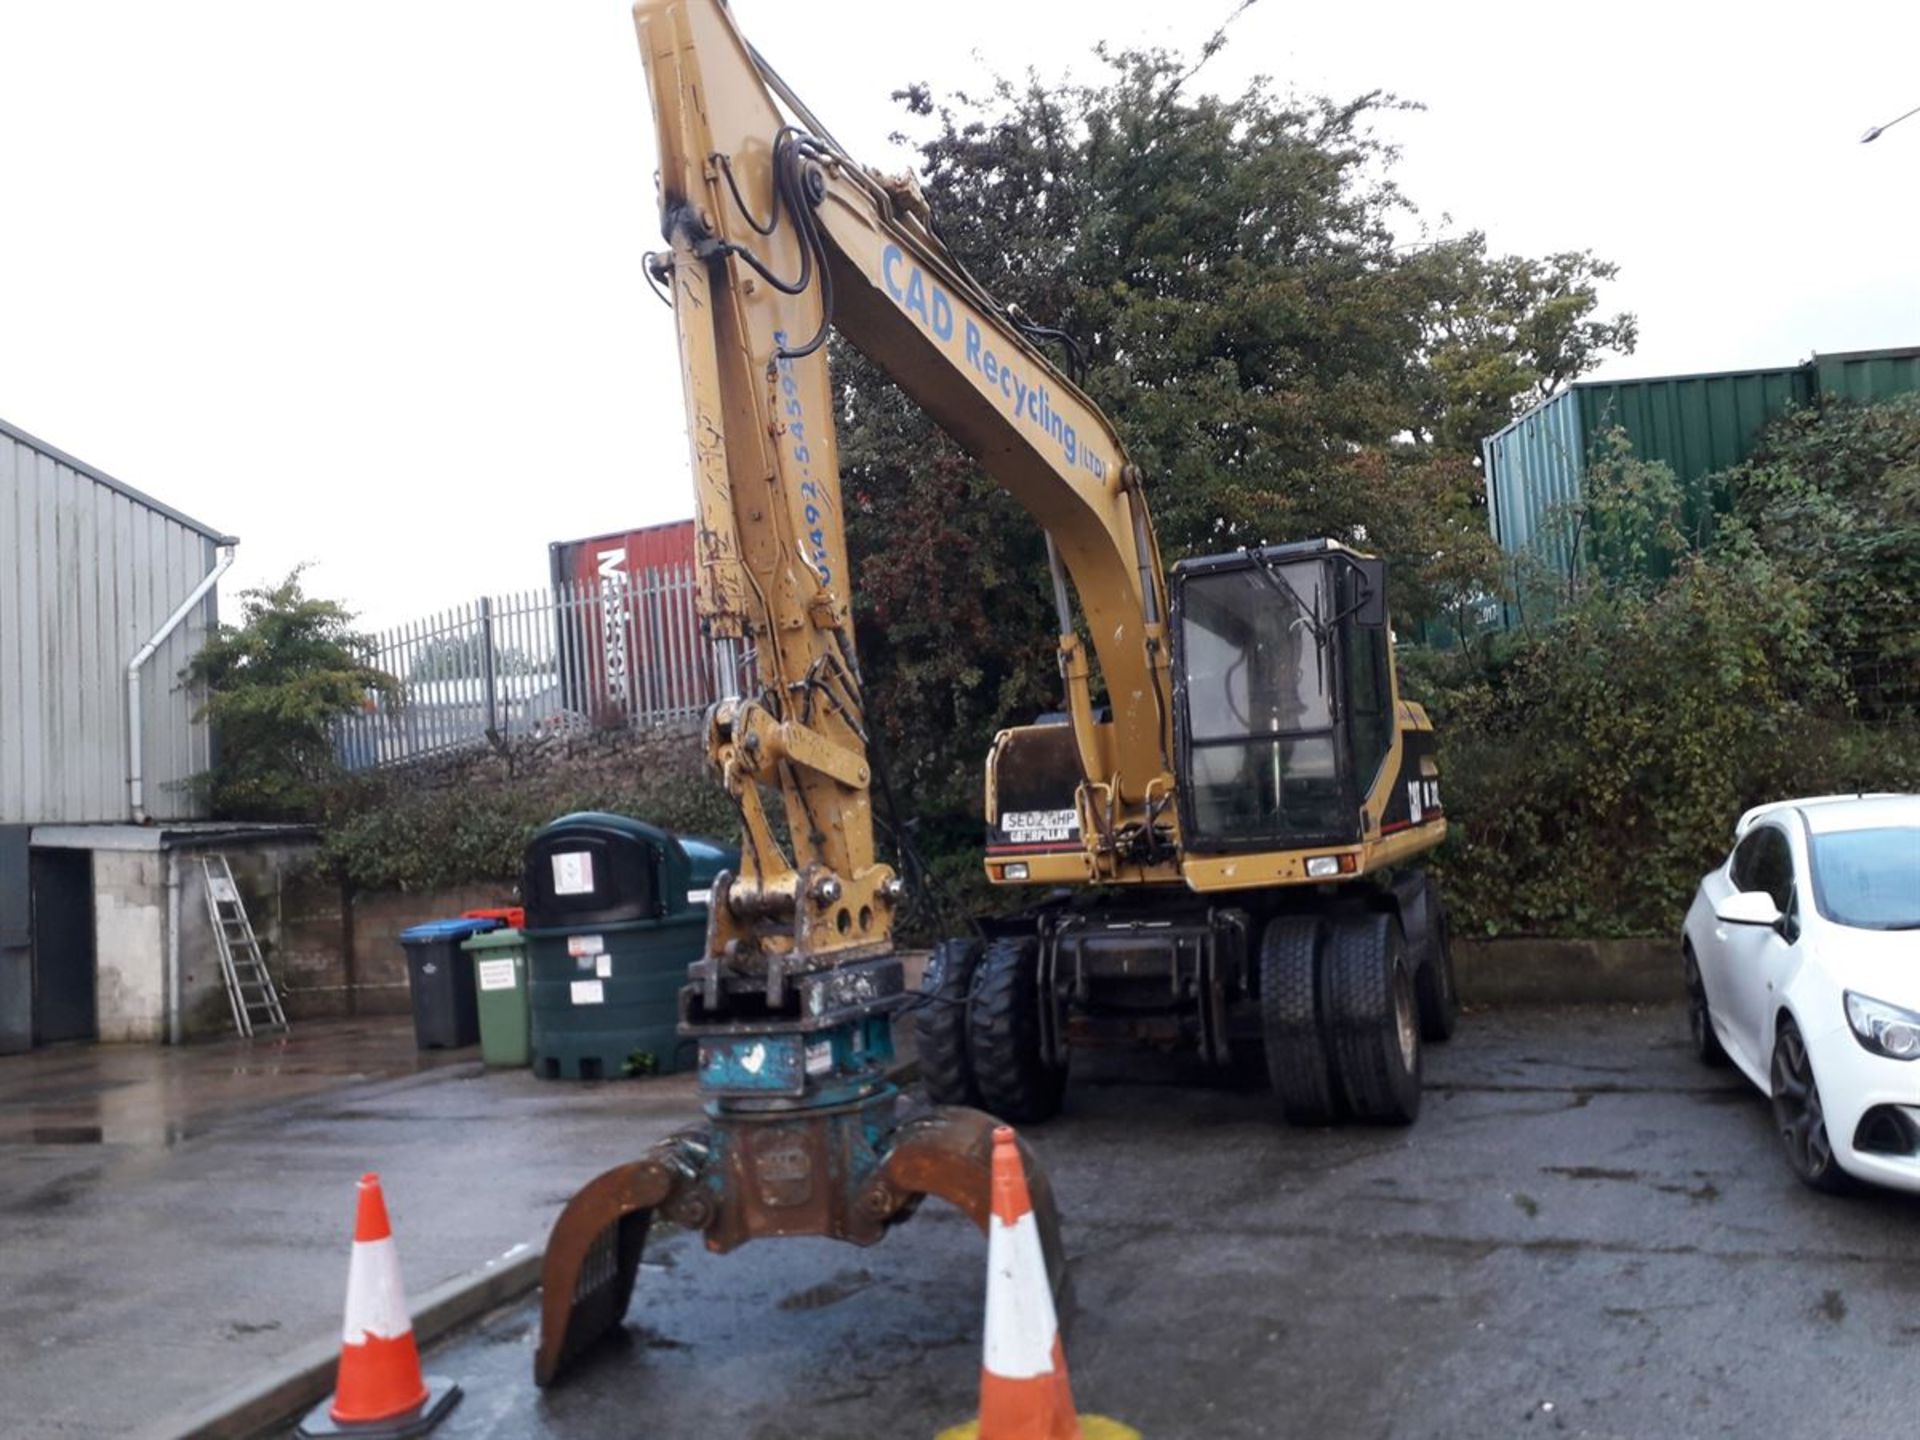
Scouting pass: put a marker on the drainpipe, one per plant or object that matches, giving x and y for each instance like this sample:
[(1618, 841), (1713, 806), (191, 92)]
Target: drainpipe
[(173, 947), (136, 795)]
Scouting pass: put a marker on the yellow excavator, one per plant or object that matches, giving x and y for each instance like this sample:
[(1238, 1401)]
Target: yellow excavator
[(1223, 847)]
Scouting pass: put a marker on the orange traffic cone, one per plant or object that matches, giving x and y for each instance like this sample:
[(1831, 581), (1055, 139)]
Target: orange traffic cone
[(380, 1393), (1024, 1390)]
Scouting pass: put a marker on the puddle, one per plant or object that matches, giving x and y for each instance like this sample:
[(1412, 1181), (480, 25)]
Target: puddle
[(139, 1135), (843, 1286), (66, 1135)]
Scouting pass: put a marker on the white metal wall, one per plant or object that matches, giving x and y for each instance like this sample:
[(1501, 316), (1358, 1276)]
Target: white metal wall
[(89, 569)]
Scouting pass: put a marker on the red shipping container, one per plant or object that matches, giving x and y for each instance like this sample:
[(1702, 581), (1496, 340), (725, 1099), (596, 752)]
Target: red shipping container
[(626, 552), (629, 632)]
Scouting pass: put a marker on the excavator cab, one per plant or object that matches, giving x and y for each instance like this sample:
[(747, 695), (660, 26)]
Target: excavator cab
[(1286, 721), (1283, 705)]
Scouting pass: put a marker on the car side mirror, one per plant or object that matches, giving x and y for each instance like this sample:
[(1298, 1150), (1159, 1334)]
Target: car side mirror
[(1748, 907)]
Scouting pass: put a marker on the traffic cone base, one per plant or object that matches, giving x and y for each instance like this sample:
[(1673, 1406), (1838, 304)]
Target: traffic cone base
[(1092, 1427), (442, 1396)]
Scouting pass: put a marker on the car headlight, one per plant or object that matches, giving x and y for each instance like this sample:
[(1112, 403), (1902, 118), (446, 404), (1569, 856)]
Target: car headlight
[(1884, 1029)]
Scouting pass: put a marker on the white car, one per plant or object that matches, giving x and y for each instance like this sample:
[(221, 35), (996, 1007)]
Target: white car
[(1802, 958)]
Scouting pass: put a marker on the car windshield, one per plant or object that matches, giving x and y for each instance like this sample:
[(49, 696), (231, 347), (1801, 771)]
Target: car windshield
[(1869, 879)]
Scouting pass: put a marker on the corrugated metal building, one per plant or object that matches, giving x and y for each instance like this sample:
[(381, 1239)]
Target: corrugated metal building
[(1697, 424), (100, 934), (90, 569)]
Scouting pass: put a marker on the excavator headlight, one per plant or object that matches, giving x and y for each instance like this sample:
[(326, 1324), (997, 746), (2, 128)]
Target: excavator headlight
[(1016, 870), (1323, 867)]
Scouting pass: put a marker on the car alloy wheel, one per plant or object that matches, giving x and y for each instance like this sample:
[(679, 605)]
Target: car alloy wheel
[(1799, 1116)]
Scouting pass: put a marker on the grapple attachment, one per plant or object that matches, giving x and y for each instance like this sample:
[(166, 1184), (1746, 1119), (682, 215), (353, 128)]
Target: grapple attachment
[(748, 1177)]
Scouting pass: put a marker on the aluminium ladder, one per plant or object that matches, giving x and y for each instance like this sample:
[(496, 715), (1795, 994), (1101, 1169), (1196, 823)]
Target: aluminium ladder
[(256, 1004)]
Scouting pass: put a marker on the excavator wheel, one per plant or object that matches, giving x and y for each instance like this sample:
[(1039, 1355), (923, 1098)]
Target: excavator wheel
[(1439, 996), (1433, 977), (1373, 1018), (1003, 1033), (1298, 1065), (940, 1027)]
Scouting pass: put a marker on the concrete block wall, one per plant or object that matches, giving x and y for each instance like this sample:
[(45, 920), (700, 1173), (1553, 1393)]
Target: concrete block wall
[(131, 897), (312, 964), (341, 953), (130, 944), (261, 872)]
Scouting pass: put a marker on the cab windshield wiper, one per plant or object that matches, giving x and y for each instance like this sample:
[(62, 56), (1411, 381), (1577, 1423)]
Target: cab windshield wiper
[(1270, 572), (1309, 615)]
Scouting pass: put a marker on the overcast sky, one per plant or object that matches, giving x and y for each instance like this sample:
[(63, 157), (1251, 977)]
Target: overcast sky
[(360, 282)]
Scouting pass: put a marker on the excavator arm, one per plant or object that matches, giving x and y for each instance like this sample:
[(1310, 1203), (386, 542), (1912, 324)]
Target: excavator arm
[(776, 236)]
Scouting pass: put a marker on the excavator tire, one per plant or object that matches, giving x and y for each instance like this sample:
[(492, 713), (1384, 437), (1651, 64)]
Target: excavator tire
[(1003, 1035), (1291, 951), (1373, 1016), (940, 1027), (1433, 982)]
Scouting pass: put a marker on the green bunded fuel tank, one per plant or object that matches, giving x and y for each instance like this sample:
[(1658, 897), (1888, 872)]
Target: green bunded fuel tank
[(615, 914)]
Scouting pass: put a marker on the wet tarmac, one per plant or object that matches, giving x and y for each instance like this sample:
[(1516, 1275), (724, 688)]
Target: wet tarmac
[(1586, 1234), (174, 1221)]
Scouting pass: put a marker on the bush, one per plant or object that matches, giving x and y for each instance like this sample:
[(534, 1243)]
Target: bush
[(275, 683), (389, 835), (1594, 766)]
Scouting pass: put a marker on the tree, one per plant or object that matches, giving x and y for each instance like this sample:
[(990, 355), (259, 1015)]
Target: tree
[(464, 657), (274, 684), (1501, 333), (1278, 364)]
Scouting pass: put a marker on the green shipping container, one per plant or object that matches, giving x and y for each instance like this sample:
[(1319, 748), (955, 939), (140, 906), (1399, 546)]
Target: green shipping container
[(1698, 425)]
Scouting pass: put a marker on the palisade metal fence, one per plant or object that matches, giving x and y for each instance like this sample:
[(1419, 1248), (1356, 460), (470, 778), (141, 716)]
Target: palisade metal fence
[(617, 652)]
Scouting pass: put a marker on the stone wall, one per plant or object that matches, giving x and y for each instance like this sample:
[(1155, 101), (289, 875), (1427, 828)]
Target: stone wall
[(1568, 972), (584, 759)]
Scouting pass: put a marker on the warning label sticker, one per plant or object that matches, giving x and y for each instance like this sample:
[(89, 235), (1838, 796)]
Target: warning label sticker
[(496, 974), (573, 873), (578, 945), (1027, 827), (589, 992)]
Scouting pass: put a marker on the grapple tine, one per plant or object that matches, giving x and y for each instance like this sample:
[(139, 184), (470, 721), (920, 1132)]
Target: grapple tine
[(949, 1153), (593, 1253)]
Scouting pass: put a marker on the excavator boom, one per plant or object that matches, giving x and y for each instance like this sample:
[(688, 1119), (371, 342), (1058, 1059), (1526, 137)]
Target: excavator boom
[(776, 235)]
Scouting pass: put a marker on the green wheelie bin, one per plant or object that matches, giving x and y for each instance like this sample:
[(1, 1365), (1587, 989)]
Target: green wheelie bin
[(499, 960)]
